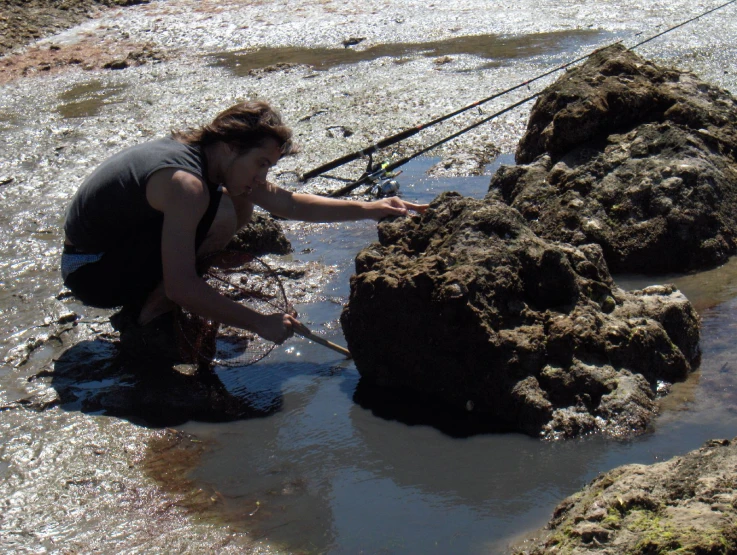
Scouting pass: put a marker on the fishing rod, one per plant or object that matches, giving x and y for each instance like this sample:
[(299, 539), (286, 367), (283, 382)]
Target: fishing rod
[(380, 176), (393, 139), (385, 169)]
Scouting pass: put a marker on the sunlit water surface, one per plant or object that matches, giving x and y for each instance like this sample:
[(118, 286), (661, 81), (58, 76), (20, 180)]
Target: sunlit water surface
[(331, 469), (327, 474)]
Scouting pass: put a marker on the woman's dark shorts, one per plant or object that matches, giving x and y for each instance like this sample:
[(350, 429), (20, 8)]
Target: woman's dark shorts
[(128, 273)]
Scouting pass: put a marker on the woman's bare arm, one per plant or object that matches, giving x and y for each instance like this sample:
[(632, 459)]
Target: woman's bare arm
[(315, 208), (183, 200)]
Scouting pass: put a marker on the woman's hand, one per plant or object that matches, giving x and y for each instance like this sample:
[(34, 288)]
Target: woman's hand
[(277, 327), (392, 206), (316, 208)]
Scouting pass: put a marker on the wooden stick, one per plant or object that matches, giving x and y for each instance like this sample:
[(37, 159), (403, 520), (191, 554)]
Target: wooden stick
[(304, 331)]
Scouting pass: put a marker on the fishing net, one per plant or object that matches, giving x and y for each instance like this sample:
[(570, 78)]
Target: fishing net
[(243, 278)]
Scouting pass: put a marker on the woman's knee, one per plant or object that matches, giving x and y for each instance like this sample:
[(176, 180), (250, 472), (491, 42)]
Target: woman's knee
[(223, 228)]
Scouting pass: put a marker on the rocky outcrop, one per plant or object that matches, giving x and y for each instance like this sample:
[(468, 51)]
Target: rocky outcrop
[(467, 305), (639, 159), (684, 505)]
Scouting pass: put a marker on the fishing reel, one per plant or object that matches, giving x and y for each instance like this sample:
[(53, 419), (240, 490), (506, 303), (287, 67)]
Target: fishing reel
[(381, 181), (385, 188)]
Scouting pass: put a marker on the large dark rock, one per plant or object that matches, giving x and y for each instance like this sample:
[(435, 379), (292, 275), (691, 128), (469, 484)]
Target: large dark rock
[(262, 235), (684, 505), (467, 305), (637, 158)]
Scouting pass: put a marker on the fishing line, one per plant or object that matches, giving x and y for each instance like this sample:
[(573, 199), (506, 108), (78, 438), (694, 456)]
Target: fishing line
[(682, 24), (388, 141), (375, 173)]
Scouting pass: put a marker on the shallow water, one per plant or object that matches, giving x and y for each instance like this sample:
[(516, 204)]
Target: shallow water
[(87, 99), (340, 470), (486, 47)]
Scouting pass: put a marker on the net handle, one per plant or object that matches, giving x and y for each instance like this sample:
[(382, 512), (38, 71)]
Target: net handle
[(300, 329)]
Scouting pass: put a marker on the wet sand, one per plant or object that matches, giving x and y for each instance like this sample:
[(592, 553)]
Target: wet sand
[(24, 21), (66, 475)]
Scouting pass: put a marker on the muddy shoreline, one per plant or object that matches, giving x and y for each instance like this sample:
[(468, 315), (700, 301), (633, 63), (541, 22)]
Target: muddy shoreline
[(24, 21)]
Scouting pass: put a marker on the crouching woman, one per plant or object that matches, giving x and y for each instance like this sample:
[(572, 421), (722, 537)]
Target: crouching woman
[(137, 225)]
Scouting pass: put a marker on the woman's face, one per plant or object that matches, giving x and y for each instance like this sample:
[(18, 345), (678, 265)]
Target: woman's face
[(247, 172)]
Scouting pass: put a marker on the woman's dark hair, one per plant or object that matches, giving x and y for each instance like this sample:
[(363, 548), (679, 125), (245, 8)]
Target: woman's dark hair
[(243, 126)]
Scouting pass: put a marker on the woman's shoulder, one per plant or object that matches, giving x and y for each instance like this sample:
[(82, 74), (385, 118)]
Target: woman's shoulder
[(165, 152), (154, 147)]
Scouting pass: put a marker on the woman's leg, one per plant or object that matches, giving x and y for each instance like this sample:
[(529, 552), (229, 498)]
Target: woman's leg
[(222, 229), (219, 234)]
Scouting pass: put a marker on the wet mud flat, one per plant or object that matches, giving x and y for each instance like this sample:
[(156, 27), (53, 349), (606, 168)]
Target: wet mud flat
[(26, 20), (324, 451)]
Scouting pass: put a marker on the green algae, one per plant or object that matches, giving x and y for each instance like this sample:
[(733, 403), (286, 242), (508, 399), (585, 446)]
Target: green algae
[(660, 536)]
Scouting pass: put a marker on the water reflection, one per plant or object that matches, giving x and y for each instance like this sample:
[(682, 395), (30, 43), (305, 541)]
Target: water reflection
[(412, 409)]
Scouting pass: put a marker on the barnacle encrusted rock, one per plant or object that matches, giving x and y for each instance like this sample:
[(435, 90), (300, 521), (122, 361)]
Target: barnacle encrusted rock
[(637, 158), (683, 505), (467, 305)]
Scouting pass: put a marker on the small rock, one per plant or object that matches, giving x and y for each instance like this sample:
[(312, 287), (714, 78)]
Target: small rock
[(353, 41), (261, 235), (339, 132), (116, 64), (588, 532)]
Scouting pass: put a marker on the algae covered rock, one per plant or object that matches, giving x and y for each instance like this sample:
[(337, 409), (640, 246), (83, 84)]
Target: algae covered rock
[(637, 158), (684, 505), (467, 305)]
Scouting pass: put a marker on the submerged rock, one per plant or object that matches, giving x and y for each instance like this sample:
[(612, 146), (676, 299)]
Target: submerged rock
[(467, 305), (684, 505), (635, 157)]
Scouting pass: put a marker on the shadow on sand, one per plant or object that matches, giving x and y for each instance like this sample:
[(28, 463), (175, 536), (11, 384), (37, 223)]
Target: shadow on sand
[(92, 376)]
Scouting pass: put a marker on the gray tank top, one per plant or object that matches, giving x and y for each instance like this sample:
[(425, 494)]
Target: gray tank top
[(111, 204)]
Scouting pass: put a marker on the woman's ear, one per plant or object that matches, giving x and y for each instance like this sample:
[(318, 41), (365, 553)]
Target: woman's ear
[(229, 152)]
